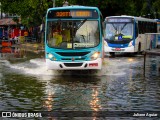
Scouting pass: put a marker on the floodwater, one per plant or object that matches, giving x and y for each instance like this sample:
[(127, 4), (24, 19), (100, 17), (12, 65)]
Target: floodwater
[(26, 85)]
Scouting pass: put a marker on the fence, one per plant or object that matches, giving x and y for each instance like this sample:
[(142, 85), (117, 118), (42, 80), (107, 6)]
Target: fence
[(153, 40)]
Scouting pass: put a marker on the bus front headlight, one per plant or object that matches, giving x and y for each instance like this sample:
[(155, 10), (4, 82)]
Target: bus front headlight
[(51, 56), (130, 44), (95, 55)]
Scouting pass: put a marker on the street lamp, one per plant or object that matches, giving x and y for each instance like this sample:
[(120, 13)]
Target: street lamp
[(65, 3)]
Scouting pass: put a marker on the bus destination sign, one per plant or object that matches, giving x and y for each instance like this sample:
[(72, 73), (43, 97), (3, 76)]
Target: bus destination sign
[(119, 20), (73, 14)]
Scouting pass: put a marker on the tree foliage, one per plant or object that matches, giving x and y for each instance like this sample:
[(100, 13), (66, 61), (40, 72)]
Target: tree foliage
[(32, 12)]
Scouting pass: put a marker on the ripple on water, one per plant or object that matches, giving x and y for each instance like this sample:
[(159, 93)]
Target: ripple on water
[(124, 88)]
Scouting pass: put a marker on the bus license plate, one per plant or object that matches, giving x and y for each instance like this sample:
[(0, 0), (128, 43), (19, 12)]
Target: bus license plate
[(117, 49)]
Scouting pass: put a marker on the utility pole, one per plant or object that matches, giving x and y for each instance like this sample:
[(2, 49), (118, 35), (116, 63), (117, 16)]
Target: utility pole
[(54, 3), (0, 10), (148, 8)]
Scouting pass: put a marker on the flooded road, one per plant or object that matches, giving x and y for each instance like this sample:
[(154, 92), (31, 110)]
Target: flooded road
[(26, 85)]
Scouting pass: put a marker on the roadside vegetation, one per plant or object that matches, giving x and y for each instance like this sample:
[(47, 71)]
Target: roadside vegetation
[(32, 12)]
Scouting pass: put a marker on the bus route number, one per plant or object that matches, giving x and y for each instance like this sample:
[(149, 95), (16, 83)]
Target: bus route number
[(73, 14)]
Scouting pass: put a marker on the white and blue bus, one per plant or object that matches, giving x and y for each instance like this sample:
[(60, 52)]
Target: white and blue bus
[(73, 38), (129, 34)]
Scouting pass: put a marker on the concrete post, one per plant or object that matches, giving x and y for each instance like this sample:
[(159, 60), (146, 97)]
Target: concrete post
[(54, 3)]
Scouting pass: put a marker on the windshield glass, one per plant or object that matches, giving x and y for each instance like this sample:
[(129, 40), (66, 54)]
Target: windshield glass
[(73, 34), (119, 31)]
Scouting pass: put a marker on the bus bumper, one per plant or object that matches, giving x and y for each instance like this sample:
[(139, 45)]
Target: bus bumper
[(84, 65), (127, 49)]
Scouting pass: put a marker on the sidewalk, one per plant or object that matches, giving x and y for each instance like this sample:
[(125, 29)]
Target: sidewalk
[(32, 46), (26, 45)]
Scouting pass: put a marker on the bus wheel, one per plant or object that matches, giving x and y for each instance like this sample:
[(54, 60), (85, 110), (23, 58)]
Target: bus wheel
[(158, 46), (112, 54)]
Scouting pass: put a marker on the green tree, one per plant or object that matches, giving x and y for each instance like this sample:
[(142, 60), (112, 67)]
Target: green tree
[(156, 5), (31, 12)]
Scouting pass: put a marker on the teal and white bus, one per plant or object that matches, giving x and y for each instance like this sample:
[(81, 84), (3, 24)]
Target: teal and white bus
[(129, 34), (73, 38)]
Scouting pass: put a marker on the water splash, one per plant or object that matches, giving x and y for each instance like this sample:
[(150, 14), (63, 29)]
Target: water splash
[(34, 67), (117, 67), (37, 68), (6, 62)]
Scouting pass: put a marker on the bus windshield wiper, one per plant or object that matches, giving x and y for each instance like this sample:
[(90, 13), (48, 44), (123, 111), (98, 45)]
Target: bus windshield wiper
[(81, 23), (123, 26)]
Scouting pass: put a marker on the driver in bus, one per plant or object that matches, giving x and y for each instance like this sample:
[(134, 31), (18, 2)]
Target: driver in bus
[(57, 37), (66, 35)]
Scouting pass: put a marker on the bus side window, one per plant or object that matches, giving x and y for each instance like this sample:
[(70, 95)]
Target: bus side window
[(140, 27), (136, 30)]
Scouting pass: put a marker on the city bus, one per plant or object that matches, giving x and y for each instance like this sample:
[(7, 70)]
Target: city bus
[(73, 38), (129, 34)]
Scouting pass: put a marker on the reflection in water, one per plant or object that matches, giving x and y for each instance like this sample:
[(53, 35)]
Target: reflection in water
[(64, 93), (71, 94), (27, 85), (154, 65), (11, 53), (133, 91), (131, 82), (95, 102), (49, 100), (48, 103), (130, 59), (19, 94)]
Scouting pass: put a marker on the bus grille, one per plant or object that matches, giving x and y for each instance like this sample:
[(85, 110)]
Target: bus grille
[(72, 53), (74, 58), (73, 64), (119, 41)]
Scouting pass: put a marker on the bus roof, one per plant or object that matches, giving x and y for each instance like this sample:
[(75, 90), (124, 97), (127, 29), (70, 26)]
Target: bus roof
[(94, 13), (74, 7), (158, 20), (134, 17)]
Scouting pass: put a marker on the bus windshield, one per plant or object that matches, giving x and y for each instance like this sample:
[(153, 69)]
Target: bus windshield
[(73, 34), (119, 31)]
